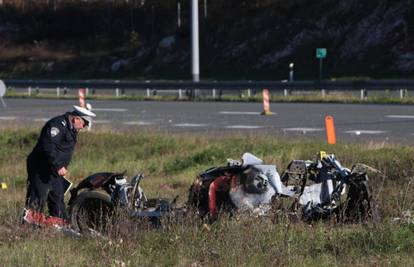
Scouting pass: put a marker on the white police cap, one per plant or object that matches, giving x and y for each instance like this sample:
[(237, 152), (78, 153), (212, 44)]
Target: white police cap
[(84, 113)]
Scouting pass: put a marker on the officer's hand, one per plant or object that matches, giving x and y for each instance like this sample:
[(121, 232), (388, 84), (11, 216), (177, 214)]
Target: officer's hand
[(62, 171)]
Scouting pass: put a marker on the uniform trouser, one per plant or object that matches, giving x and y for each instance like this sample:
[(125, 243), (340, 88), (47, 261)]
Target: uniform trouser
[(45, 187)]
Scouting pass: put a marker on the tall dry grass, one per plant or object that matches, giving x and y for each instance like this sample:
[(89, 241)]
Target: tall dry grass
[(170, 162)]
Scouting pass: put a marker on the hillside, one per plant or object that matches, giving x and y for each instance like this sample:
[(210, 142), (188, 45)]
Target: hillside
[(238, 39)]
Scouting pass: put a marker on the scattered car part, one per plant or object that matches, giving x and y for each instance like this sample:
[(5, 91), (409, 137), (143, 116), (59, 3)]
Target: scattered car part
[(320, 188), (94, 202)]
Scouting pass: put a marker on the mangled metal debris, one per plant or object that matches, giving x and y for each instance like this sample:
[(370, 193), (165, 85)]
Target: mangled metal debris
[(94, 201), (405, 218), (317, 189)]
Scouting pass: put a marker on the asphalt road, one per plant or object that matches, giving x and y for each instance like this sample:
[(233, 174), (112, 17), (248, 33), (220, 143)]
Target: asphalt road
[(353, 122)]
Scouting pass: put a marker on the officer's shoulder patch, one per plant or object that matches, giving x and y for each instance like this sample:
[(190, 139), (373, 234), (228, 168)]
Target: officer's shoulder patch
[(54, 131), (63, 123)]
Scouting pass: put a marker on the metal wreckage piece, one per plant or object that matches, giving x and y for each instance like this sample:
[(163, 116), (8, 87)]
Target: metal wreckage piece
[(95, 201), (316, 190)]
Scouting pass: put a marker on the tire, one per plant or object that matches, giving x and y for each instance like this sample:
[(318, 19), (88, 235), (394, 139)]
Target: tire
[(91, 211)]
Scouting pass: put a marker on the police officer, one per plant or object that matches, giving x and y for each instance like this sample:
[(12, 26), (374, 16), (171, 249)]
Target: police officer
[(48, 163)]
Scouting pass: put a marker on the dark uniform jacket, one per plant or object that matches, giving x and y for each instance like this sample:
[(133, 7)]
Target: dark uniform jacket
[(54, 147)]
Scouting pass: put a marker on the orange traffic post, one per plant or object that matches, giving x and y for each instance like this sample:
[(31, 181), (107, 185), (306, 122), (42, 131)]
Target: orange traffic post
[(266, 105), (81, 94), (330, 130)]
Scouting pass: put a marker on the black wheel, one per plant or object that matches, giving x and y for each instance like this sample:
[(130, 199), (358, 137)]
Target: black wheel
[(91, 210)]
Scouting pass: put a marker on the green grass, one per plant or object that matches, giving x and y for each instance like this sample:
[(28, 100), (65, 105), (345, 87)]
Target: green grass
[(174, 160)]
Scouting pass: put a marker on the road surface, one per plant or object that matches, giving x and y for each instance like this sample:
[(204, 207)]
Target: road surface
[(353, 122)]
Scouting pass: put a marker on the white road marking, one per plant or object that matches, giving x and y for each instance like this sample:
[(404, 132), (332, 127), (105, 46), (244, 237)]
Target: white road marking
[(400, 116), (244, 127), (110, 109), (101, 121), (94, 121), (5, 118), (358, 132), (139, 123), (190, 125), (239, 113), (303, 130), (41, 119)]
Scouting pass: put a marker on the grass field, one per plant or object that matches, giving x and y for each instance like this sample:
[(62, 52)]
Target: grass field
[(170, 162)]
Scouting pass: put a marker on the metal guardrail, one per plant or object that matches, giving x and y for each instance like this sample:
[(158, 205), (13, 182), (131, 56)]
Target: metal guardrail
[(188, 87), (228, 85)]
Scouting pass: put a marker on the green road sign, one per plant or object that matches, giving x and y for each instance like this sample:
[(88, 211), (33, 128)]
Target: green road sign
[(321, 52)]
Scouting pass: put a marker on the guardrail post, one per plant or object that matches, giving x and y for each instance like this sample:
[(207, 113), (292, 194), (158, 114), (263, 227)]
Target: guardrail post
[(403, 93), (29, 91), (57, 91), (323, 92), (285, 92), (249, 90), (117, 92), (214, 93), (148, 92), (364, 94), (180, 93), (86, 91)]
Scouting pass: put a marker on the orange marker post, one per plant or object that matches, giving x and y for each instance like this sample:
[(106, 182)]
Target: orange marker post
[(81, 94), (266, 105), (330, 130)]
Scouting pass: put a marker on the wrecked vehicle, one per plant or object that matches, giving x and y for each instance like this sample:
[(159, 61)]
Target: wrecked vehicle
[(318, 189), (96, 199)]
